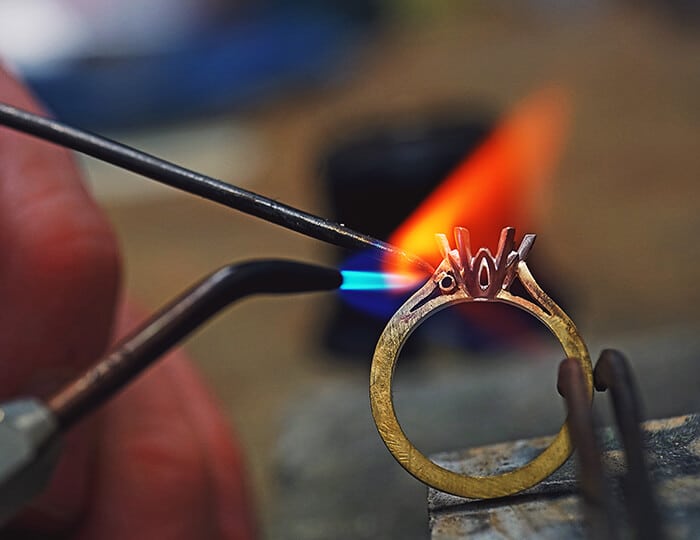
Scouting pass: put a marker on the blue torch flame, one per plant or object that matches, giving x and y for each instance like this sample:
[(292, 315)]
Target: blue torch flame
[(366, 287), (362, 280)]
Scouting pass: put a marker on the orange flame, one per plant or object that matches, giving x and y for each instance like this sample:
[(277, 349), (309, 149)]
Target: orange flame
[(501, 184)]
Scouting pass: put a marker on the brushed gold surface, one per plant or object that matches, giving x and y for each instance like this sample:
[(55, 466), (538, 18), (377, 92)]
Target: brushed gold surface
[(432, 298)]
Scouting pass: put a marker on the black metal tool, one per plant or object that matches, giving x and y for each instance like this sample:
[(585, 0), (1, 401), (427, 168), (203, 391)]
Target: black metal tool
[(594, 489), (29, 429), (613, 373), (190, 181)]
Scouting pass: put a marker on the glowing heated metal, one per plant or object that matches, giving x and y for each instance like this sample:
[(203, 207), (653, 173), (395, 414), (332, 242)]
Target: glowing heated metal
[(501, 183)]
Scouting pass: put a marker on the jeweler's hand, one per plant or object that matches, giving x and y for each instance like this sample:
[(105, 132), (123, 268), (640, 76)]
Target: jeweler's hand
[(156, 463)]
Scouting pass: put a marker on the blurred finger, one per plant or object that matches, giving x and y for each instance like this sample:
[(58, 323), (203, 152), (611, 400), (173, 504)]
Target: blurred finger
[(59, 270), (152, 477), (232, 503), (168, 463), (59, 275)]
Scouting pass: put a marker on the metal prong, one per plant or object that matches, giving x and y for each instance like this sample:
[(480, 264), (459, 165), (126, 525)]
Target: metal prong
[(506, 244), (526, 245), (463, 241), (443, 244)]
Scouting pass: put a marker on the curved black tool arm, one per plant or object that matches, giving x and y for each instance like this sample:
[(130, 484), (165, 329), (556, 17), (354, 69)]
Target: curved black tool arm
[(594, 488), (176, 320), (30, 430), (212, 189), (613, 373)]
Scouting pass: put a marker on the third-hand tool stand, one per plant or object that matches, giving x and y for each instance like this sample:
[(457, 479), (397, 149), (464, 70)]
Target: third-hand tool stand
[(641, 484)]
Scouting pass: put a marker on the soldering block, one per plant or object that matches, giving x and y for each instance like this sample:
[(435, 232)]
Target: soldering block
[(553, 509)]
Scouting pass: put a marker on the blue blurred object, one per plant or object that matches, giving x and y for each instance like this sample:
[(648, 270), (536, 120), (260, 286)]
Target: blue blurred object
[(235, 65), (362, 280), (375, 298)]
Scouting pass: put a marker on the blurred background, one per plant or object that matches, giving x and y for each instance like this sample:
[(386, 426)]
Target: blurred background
[(357, 110)]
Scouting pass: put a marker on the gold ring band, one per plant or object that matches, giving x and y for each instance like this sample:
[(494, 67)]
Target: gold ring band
[(463, 277)]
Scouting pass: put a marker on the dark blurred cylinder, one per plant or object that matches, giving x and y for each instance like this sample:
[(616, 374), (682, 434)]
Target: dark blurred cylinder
[(375, 178)]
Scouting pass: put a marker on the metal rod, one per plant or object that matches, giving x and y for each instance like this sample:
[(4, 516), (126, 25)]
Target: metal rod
[(192, 182), (594, 490), (176, 320), (613, 373)]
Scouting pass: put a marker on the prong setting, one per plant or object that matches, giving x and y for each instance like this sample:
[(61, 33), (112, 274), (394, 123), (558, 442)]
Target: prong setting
[(482, 275)]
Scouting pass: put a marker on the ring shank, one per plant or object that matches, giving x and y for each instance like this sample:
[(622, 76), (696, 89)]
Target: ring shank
[(396, 333)]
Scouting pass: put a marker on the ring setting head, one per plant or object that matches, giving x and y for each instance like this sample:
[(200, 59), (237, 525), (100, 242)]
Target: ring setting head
[(481, 275)]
